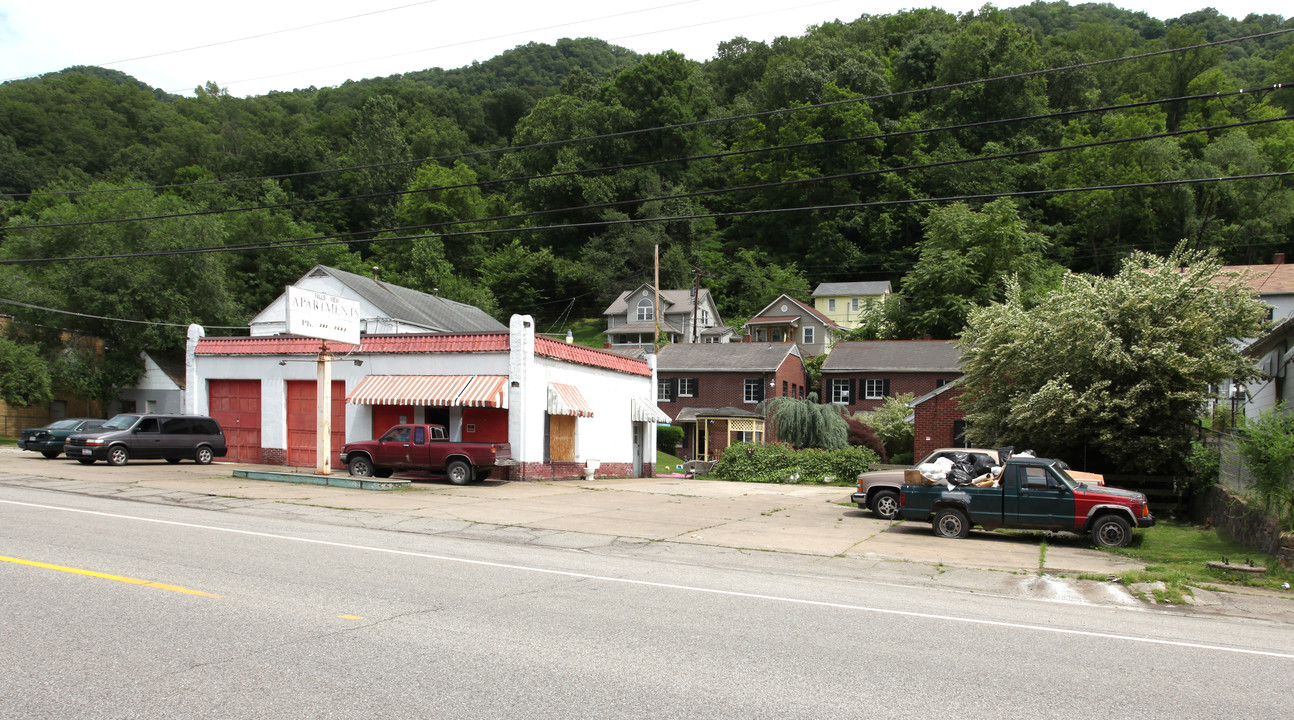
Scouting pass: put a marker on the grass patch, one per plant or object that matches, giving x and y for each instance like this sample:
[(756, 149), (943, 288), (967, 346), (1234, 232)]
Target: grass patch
[(1177, 554), (589, 332), (667, 464)]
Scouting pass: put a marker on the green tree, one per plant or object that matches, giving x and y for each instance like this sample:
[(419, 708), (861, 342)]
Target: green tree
[(806, 423), (966, 259), (889, 422), (24, 375), (1267, 447), (1121, 365)]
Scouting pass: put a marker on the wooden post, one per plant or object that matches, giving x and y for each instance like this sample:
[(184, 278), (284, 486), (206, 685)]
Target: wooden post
[(323, 413)]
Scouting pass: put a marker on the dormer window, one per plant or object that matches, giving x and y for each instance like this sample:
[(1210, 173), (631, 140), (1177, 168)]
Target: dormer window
[(645, 310)]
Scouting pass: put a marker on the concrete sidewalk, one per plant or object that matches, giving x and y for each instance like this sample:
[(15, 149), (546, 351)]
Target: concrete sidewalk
[(812, 520)]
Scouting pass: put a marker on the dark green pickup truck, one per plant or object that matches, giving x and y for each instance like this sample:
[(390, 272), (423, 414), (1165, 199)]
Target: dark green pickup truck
[(1032, 493)]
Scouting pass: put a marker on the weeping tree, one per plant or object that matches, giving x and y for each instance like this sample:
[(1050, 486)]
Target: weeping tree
[(806, 423)]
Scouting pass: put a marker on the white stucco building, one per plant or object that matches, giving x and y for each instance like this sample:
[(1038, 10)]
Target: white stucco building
[(560, 406)]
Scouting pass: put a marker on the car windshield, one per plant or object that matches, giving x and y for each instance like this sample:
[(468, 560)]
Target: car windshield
[(1070, 482), (63, 424), (121, 422)]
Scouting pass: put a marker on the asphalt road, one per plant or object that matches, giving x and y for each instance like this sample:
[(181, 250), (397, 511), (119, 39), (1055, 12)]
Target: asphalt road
[(272, 616)]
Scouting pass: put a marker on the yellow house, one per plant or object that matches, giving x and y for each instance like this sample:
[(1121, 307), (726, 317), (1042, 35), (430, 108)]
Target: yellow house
[(849, 302)]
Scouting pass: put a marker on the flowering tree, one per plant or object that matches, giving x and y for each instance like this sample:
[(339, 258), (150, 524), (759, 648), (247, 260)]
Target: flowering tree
[(1121, 365)]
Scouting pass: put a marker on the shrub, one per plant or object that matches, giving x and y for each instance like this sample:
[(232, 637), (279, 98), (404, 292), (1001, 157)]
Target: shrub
[(861, 434), (1268, 451), (1203, 463), (780, 463), (668, 438)]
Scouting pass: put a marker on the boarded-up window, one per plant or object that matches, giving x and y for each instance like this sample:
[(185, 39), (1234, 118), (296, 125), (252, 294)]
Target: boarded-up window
[(561, 438)]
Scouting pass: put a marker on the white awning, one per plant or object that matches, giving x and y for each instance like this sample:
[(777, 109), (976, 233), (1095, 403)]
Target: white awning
[(641, 410)]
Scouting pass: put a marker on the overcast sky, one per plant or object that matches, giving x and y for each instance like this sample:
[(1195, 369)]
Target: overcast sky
[(251, 48)]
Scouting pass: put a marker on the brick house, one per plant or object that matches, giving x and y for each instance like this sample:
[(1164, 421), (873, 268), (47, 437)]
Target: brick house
[(789, 320), (713, 391), (860, 375), (938, 420)]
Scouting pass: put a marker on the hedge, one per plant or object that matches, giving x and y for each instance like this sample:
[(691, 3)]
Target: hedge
[(780, 463)]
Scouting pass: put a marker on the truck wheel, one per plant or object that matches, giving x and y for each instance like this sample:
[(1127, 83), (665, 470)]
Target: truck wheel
[(51, 454), (1112, 531), (361, 467), (118, 455), (459, 472), (951, 523), (885, 504)]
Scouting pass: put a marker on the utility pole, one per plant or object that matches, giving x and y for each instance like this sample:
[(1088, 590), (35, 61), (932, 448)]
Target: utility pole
[(696, 299), (656, 310)]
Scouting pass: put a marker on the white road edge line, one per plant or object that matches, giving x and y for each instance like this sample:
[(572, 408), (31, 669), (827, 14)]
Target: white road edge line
[(669, 586)]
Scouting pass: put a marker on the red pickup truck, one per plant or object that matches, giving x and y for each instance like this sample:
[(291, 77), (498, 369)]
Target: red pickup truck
[(424, 447)]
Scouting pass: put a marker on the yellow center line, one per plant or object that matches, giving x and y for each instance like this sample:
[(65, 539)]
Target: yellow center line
[(105, 576)]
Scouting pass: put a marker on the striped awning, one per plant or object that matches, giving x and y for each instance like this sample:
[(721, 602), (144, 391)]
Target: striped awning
[(485, 391), (641, 410), (567, 400), (438, 390)]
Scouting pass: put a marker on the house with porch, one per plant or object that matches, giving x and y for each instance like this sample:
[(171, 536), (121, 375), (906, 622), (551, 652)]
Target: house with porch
[(849, 303), (714, 391), (787, 320), (860, 375), (686, 316)]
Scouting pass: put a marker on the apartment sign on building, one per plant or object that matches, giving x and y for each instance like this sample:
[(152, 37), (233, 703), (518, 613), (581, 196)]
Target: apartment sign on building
[(319, 315)]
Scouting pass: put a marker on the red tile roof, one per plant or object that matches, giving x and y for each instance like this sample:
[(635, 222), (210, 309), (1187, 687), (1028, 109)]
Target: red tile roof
[(407, 343), (411, 343), (590, 356)]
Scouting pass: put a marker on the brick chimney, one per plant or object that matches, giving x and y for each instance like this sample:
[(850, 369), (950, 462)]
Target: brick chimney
[(1278, 259)]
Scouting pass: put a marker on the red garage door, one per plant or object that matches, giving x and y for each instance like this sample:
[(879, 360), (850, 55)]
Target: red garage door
[(236, 405), (302, 426)]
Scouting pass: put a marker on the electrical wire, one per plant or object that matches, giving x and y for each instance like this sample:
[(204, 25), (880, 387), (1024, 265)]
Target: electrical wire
[(672, 218), (100, 317), (719, 191), (710, 121)]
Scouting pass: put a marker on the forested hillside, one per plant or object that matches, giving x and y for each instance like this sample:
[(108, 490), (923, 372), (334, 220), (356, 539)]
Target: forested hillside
[(540, 181)]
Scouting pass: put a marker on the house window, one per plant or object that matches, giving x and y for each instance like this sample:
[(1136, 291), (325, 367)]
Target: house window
[(783, 388), (645, 310), (705, 318), (854, 304), (876, 389), (831, 304), (747, 436), (940, 382), (808, 336), (760, 335), (840, 391), (687, 387), (752, 392), (662, 389), (777, 335)]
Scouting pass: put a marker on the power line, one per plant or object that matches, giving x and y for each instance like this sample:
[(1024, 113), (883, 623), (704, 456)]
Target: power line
[(688, 195), (100, 317), (695, 123), (250, 37), (673, 218), (464, 42)]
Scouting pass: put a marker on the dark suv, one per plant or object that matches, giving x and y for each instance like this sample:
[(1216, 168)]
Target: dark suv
[(173, 437)]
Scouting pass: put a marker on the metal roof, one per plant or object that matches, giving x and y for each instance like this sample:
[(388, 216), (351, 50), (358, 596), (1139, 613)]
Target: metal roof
[(422, 309)]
